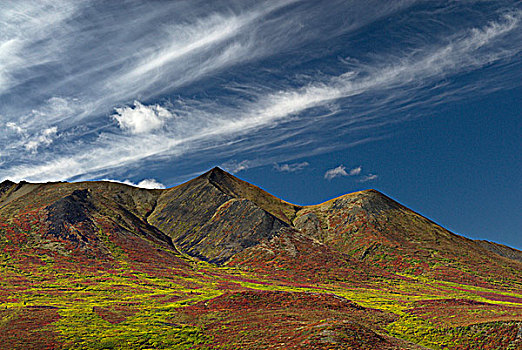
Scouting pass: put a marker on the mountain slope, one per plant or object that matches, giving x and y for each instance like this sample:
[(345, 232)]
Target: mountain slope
[(216, 216), (207, 218), (97, 221), (371, 226), (210, 262), (237, 188), (501, 250)]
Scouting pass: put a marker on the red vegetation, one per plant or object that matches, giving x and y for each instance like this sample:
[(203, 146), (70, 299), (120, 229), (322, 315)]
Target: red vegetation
[(26, 328), (290, 320)]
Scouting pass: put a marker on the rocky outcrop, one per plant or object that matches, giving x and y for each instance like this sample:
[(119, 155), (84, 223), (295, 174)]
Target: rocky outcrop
[(68, 212)]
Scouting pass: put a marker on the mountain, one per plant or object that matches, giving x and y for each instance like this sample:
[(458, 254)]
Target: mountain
[(371, 226), (212, 262), (217, 215), (86, 221)]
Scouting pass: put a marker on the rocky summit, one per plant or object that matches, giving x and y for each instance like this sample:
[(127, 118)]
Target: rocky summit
[(218, 263)]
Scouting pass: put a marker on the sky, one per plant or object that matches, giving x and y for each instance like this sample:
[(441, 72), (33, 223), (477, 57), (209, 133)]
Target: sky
[(309, 100)]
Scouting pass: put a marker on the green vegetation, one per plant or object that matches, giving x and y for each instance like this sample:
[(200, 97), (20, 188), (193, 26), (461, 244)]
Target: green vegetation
[(90, 266)]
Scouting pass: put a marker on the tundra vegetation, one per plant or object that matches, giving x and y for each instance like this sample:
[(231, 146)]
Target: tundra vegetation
[(217, 263)]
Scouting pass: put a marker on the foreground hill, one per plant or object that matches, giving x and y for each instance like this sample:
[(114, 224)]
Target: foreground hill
[(216, 262)]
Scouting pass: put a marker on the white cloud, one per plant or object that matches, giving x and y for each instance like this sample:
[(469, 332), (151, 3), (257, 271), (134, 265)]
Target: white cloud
[(290, 168), (13, 126), (150, 184), (368, 177), (205, 124), (236, 167), (341, 171), (141, 119), (25, 25), (355, 171), (32, 145), (335, 172), (45, 138), (145, 183), (56, 109)]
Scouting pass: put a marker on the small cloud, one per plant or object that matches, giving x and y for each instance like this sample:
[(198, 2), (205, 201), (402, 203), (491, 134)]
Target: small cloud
[(50, 131), (141, 119), (368, 177), (13, 126), (290, 168), (45, 138), (355, 171), (150, 184), (335, 172), (341, 171), (235, 167)]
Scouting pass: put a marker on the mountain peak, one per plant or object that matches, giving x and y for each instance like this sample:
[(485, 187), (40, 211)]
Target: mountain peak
[(217, 174), (369, 197), (217, 170), (5, 186), (237, 188), (6, 183)]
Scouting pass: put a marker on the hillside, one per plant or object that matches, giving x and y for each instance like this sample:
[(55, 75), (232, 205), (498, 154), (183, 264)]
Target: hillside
[(215, 262)]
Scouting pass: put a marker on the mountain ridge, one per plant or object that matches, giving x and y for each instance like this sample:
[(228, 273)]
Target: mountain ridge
[(209, 262), (239, 189)]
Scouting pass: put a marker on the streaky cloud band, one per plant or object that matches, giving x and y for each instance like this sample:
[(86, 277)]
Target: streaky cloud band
[(187, 126)]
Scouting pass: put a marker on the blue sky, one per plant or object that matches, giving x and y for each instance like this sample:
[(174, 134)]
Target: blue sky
[(307, 99)]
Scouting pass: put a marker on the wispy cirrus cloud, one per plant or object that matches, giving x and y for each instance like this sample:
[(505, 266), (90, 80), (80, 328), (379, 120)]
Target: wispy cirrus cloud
[(359, 97), (188, 51), (24, 25), (146, 50)]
